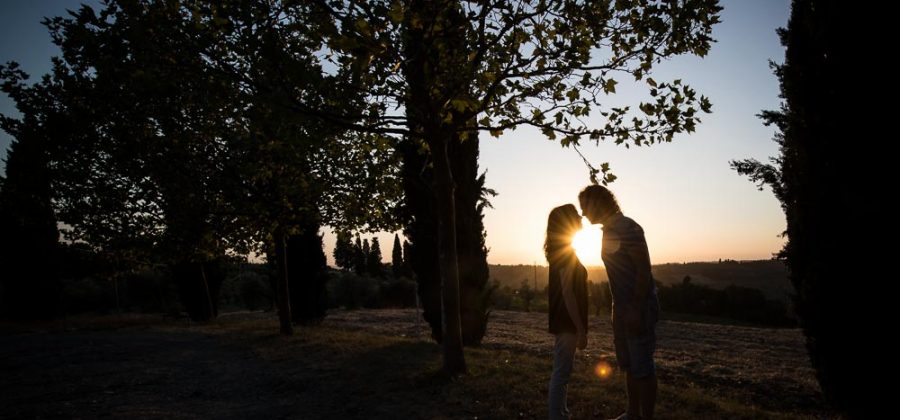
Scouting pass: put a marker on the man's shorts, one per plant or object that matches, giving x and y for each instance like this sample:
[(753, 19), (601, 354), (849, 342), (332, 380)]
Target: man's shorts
[(635, 353)]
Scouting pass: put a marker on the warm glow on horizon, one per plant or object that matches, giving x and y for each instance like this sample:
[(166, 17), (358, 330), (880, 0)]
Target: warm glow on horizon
[(587, 243)]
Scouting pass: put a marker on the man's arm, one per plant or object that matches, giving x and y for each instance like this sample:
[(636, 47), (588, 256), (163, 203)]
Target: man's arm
[(640, 256), (568, 292)]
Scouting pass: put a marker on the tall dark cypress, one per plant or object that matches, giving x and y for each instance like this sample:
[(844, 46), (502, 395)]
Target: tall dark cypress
[(306, 264), (829, 183), (420, 217), (373, 260), (397, 257), (29, 283), (421, 226), (470, 240)]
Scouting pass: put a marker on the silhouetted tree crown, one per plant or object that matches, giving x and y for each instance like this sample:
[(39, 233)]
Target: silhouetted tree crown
[(397, 257), (829, 186)]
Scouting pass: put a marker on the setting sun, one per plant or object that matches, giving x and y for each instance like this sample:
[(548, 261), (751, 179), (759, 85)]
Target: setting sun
[(587, 243)]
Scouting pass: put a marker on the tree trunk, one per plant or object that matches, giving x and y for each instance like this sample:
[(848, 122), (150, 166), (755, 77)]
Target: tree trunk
[(420, 216), (284, 301), (425, 115), (306, 265), (454, 360), (197, 289), (210, 308)]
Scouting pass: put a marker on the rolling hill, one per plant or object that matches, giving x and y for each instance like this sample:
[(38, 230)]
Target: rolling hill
[(770, 276)]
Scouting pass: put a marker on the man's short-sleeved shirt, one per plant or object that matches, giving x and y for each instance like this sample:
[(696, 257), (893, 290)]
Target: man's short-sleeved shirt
[(621, 234)]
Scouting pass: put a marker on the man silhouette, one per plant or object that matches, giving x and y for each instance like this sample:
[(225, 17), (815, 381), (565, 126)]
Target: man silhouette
[(635, 304)]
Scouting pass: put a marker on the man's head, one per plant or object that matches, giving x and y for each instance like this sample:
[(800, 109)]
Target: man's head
[(597, 203)]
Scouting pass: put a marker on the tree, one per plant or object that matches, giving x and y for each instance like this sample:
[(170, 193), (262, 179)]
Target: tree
[(421, 223), (121, 127), (599, 295), (821, 178), (307, 291), (29, 286), (407, 254), (397, 257), (180, 143), (527, 294), (343, 251), (469, 66), (359, 256), (373, 259), (366, 253)]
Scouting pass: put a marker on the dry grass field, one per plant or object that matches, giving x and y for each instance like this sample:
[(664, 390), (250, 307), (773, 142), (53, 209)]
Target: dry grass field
[(381, 364)]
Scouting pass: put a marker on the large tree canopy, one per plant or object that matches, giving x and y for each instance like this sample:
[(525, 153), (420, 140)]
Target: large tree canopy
[(438, 71), (552, 65), (174, 142)]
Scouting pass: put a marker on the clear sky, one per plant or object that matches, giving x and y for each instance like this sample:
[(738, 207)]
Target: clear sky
[(692, 206)]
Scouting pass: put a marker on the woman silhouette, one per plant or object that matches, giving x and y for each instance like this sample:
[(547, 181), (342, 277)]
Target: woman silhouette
[(567, 294)]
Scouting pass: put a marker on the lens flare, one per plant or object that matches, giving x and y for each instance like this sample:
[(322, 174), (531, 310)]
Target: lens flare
[(587, 243), (603, 369)]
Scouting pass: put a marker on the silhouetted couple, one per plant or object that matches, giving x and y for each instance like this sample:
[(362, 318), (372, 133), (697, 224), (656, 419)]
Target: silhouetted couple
[(635, 306)]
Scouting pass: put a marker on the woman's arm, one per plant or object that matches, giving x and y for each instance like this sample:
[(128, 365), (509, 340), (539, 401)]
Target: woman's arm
[(568, 291)]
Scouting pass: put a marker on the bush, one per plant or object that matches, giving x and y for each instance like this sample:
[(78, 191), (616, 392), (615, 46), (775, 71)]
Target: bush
[(737, 303), (398, 293), (87, 294), (502, 296), (249, 288), (351, 291)]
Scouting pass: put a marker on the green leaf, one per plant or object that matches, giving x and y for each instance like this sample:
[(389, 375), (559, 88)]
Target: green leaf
[(396, 13), (586, 79), (363, 27), (610, 86), (705, 105), (462, 105)]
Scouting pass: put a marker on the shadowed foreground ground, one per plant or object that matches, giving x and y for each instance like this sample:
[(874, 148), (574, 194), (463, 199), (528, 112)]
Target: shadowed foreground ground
[(379, 364)]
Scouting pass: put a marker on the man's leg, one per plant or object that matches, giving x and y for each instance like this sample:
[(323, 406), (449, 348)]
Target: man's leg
[(641, 374), (634, 397), (646, 390)]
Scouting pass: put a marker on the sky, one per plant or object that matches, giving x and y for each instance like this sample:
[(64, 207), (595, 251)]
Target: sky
[(691, 204)]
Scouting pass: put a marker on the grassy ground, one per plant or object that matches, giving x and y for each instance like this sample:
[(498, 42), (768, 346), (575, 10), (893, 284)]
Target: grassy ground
[(380, 364)]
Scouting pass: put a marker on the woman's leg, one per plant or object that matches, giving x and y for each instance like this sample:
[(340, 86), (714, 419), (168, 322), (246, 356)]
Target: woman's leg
[(563, 357)]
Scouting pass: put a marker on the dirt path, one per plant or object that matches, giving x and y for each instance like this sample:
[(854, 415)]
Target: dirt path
[(135, 373)]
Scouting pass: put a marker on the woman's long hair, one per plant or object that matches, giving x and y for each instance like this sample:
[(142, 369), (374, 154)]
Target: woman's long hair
[(562, 224)]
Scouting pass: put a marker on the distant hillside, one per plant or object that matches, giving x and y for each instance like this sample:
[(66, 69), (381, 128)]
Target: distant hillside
[(770, 276)]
